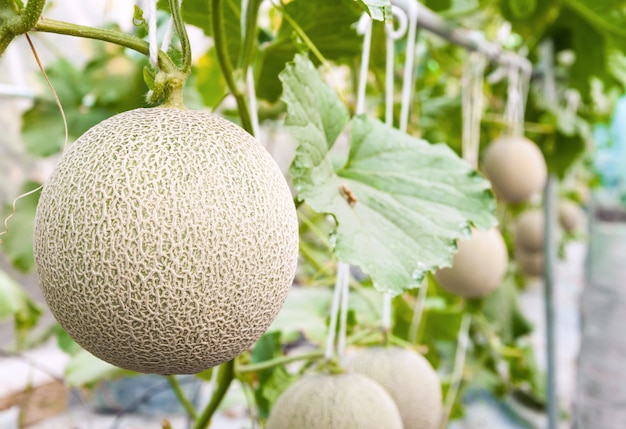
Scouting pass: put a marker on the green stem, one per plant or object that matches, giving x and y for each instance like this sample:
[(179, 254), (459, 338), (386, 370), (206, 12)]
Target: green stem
[(252, 14), (181, 397), (121, 39), (226, 374), (282, 360), (181, 30), (229, 73), (15, 24)]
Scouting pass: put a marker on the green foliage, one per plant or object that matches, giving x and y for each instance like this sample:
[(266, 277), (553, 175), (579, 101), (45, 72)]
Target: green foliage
[(108, 84), (379, 10), (17, 243), (329, 24), (407, 192), (15, 304)]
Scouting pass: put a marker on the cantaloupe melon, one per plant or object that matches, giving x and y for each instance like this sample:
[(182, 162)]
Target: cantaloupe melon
[(530, 263), (571, 216), (478, 266), (516, 168), (166, 240), (529, 230), (338, 401), (410, 380)]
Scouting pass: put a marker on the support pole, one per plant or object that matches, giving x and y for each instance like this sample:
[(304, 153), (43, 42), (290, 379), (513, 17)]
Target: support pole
[(550, 246)]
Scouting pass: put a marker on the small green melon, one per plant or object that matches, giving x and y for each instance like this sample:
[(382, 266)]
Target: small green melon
[(410, 380), (338, 401), (478, 266), (516, 168), (166, 240)]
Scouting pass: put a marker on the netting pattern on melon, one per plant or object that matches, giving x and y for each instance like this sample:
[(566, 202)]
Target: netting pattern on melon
[(166, 240), (410, 380), (344, 401)]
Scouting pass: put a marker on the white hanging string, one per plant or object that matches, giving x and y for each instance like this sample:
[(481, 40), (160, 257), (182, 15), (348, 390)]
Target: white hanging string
[(418, 311), (343, 325), (411, 9), (393, 34), (167, 37), (149, 7), (472, 106), (363, 27), (343, 276)]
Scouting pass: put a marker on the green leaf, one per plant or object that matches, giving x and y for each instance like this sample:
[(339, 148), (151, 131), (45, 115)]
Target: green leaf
[(379, 10), (84, 369), (17, 243), (329, 24), (64, 341), (607, 16), (305, 312), (413, 201), (14, 303), (210, 82), (503, 311)]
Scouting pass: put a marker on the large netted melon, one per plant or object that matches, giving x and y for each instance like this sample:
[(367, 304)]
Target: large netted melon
[(339, 401), (166, 240), (516, 168), (410, 380), (478, 266)]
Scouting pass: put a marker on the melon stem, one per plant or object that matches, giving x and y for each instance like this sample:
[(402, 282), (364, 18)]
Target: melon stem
[(225, 376)]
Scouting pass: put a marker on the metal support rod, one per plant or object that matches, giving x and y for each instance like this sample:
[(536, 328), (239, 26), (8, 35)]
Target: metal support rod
[(549, 281), (473, 41), (546, 55)]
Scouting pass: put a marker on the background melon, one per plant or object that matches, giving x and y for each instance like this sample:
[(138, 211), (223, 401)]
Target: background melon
[(478, 267), (571, 216), (166, 240), (530, 263), (410, 380), (516, 168), (529, 230), (339, 401)]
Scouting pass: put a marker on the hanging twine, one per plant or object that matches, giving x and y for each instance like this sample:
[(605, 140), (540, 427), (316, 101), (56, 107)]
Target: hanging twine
[(149, 9), (472, 106), (517, 94)]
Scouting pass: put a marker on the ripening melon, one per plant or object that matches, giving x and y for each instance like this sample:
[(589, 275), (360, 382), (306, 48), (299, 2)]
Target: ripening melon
[(529, 230), (530, 263), (410, 380), (571, 216), (516, 168), (337, 401), (166, 240), (478, 266)]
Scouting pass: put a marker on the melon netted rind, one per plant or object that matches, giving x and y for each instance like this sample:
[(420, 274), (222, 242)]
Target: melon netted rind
[(516, 168), (478, 267), (410, 380), (339, 401), (166, 240)]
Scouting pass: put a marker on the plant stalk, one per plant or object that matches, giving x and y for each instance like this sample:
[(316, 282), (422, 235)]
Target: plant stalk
[(221, 48), (225, 376), (131, 42), (181, 30), (180, 395), (15, 24)]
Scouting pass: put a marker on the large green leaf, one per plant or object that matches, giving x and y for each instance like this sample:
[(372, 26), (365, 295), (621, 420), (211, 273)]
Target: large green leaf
[(400, 203), (329, 26)]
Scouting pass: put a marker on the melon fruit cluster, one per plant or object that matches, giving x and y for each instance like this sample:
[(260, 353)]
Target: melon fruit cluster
[(166, 240), (478, 266), (516, 168), (410, 380), (335, 401), (529, 238)]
